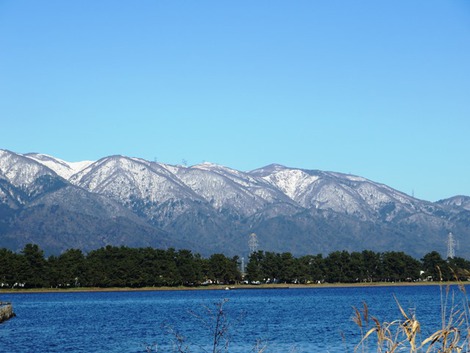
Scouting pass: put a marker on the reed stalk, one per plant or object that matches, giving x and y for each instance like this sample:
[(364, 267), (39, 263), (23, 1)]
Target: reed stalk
[(403, 335)]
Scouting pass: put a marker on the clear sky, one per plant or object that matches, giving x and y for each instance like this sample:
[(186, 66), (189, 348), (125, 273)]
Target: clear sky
[(379, 89)]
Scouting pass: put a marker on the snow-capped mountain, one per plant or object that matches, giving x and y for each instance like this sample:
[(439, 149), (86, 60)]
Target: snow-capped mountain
[(20, 170), (229, 189), (122, 177), (457, 201), (212, 208), (62, 168), (342, 193)]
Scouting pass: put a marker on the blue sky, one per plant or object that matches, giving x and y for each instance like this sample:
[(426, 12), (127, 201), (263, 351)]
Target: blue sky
[(379, 89)]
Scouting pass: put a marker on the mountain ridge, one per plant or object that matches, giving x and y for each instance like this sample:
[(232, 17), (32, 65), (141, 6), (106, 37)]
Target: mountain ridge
[(213, 208)]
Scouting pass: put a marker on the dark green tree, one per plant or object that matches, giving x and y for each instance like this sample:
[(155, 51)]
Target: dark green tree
[(68, 269), (459, 268), (189, 268), (224, 270), (397, 266), (271, 267), (436, 267), (372, 266), (254, 271), (357, 268), (34, 275), (169, 270), (11, 267), (317, 268), (338, 267), (289, 269), (303, 266)]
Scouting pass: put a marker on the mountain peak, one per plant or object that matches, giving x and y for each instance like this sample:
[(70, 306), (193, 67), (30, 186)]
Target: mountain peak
[(61, 167), (458, 200), (270, 168)]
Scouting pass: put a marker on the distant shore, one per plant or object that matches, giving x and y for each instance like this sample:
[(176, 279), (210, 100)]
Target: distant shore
[(228, 287)]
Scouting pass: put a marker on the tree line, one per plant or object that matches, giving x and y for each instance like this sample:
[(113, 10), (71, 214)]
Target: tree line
[(346, 267), (113, 266)]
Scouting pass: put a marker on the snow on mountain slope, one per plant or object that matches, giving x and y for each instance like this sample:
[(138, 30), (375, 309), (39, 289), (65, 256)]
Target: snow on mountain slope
[(225, 188), (291, 182), (218, 190), (62, 168), (21, 171), (457, 201), (10, 196), (241, 178), (339, 192), (143, 185), (131, 179), (255, 185)]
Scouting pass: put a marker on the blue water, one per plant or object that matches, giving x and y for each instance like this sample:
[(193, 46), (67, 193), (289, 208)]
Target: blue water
[(285, 320)]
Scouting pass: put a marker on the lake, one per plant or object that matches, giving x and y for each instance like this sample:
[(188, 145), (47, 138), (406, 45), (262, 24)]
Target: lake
[(284, 320)]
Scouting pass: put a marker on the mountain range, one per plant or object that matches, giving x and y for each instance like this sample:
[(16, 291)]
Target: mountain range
[(210, 208)]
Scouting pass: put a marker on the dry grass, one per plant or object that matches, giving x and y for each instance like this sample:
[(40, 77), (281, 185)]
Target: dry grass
[(403, 335)]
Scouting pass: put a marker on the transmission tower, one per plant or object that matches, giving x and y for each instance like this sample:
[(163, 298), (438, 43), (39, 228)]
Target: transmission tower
[(253, 243), (450, 246)]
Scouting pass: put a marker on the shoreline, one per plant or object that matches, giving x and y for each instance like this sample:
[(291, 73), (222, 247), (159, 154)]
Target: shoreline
[(228, 287)]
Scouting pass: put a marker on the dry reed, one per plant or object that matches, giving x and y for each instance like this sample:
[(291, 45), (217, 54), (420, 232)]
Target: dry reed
[(403, 335)]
